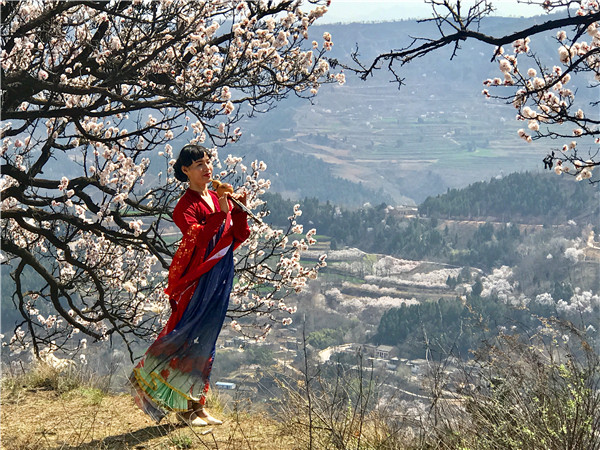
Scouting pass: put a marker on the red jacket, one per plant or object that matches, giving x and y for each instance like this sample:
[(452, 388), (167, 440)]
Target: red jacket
[(192, 209), (199, 224)]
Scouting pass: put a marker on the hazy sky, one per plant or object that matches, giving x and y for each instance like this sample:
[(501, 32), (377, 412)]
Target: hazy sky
[(379, 10)]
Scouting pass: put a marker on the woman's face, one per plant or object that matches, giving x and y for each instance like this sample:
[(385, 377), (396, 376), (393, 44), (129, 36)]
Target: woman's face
[(199, 172)]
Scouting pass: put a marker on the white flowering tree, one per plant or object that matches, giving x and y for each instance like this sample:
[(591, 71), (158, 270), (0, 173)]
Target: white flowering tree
[(543, 92), (95, 96)]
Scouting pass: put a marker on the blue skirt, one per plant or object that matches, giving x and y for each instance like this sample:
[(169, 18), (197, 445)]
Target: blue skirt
[(176, 367)]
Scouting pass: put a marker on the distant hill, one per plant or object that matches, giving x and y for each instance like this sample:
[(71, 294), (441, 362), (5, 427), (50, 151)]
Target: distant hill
[(434, 133), (298, 176), (368, 141), (519, 197)]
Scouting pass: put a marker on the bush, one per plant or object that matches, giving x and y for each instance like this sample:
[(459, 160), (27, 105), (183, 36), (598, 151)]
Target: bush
[(325, 338), (534, 392), (41, 376), (522, 391)]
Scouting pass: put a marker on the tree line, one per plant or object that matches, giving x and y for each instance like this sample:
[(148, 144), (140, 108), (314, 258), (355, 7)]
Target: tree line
[(522, 197), (457, 324), (382, 229)]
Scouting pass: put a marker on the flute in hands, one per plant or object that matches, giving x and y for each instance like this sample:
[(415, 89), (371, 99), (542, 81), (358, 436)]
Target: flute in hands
[(222, 188)]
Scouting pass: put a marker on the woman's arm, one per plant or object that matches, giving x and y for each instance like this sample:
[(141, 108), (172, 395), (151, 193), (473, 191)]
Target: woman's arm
[(239, 218), (240, 228)]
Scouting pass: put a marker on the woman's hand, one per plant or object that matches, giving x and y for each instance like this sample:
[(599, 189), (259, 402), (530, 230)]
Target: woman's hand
[(242, 198), (225, 190), (224, 202)]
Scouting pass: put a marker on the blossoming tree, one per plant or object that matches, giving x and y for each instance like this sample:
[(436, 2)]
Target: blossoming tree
[(94, 93), (543, 92)]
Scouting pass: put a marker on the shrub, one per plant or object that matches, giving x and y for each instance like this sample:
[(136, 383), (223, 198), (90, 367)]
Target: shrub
[(537, 391)]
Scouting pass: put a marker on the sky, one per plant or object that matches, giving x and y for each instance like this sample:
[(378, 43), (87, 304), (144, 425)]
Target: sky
[(380, 10)]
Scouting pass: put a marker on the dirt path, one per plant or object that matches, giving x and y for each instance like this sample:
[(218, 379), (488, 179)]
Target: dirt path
[(47, 420)]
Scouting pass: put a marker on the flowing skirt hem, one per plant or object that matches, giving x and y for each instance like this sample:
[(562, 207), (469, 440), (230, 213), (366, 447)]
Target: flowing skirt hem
[(156, 397)]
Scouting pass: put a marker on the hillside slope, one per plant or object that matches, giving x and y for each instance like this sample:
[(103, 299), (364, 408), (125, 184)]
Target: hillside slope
[(86, 419)]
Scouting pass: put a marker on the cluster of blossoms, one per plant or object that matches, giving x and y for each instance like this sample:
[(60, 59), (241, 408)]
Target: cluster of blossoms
[(353, 267), (346, 254), (269, 266), (582, 306), (500, 283), (112, 89), (582, 302), (335, 294), (356, 261), (545, 98), (574, 253), (389, 265), (358, 304), (435, 278)]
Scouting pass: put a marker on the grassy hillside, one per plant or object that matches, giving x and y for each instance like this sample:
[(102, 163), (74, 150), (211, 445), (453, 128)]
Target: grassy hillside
[(37, 415), (527, 394)]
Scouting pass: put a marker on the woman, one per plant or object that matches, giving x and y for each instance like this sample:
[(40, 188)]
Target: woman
[(174, 373)]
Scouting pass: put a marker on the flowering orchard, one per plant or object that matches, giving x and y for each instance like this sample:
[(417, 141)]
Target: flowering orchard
[(96, 93), (543, 92)]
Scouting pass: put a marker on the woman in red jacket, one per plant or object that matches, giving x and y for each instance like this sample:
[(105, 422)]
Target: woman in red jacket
[(174, 373)]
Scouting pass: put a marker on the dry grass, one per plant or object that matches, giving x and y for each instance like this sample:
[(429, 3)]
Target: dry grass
[(89, 419)]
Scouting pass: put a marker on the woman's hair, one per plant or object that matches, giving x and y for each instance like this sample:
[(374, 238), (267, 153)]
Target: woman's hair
[(188, 154)]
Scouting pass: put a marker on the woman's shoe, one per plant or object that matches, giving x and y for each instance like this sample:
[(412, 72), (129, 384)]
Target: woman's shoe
[(206, 417), (192, 419)]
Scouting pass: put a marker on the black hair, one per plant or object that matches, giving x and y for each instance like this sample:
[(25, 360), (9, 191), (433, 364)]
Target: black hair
[(188, 154)]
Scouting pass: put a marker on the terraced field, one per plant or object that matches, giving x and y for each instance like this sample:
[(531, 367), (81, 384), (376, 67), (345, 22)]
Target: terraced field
[(436, 132), (402, 137)]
